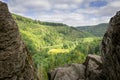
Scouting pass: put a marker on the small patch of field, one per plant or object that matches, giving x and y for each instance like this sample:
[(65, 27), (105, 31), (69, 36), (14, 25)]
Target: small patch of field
[(57, 51), (90, 39)]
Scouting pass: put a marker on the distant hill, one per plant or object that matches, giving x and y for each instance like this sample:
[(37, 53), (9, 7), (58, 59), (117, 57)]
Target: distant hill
[(96, 30)]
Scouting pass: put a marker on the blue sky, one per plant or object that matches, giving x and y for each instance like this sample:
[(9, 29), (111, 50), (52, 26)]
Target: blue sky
[(98, 3), (70, 12)]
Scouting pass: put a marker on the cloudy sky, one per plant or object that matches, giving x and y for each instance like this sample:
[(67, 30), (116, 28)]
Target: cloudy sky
[(71, 12)]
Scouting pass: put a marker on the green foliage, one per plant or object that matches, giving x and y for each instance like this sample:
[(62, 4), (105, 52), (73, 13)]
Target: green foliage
[(55, 44), (92, 47), (76, 54)]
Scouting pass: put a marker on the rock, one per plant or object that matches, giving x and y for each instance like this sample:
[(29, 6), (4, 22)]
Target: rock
[(15, 60), (91, 67), (71, 72), (111, 50)]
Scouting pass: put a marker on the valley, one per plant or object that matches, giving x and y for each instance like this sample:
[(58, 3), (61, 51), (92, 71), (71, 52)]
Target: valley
[(55, 44)]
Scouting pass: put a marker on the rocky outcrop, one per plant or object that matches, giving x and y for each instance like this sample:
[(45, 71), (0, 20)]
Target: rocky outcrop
[(71, 72), (91, 67), (15, 61), (106, 67), (111, 50)]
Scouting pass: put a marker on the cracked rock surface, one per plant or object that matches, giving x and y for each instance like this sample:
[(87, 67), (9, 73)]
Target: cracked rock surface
[(15, 60), (111, 49)]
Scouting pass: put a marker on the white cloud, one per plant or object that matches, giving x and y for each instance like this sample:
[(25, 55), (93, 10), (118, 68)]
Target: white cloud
[(73, 19), (115, 4), (39, 4), (61, 6), (71, 12), (36, 5)]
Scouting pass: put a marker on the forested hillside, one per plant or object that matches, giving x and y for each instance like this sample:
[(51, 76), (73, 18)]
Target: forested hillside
[(96, 30), (55, 44)]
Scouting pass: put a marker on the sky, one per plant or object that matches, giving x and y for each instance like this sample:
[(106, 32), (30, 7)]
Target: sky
[(70, 12)]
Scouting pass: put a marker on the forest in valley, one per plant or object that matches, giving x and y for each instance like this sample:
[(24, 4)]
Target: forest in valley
[(55, 44)]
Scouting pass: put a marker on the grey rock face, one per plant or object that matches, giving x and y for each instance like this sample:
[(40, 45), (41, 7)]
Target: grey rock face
[(71, 72), (111, 49), (15, 61), (93, 65)]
